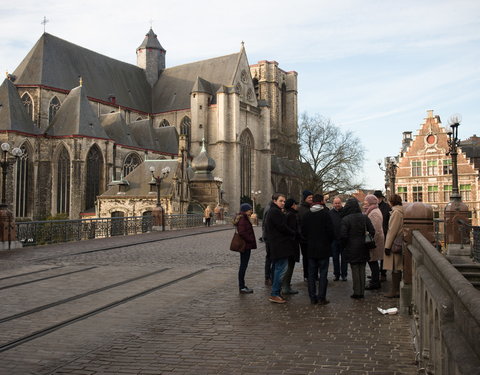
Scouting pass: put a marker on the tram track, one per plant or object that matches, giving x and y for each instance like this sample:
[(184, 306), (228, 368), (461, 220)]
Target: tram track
[(29, 273), (78, 296), (45, 331), (47, 278), (108, 248)]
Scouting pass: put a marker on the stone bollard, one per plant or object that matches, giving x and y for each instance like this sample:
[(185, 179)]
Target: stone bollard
[(417, 216)]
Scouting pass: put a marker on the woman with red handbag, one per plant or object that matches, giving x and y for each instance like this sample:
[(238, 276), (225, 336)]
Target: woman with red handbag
[(245, 230)]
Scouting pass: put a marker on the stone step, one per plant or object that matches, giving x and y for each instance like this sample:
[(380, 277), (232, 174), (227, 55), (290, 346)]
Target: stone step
[(467, 267)]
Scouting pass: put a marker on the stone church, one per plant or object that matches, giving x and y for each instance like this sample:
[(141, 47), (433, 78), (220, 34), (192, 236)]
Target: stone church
[(85, 122)]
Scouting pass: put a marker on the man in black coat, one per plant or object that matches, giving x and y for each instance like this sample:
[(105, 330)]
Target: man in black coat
[(317, 229), (385, 210), (303, 208), (340, 265), (280, 237)]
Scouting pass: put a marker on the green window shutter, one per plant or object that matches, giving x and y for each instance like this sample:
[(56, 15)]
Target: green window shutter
[(432, 188)]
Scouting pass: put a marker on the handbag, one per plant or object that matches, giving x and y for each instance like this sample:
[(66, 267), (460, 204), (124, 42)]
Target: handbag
[(369, 241), (397, 246), (238, 243)]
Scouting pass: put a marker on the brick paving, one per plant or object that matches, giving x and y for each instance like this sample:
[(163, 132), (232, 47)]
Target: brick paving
[(199, 325)]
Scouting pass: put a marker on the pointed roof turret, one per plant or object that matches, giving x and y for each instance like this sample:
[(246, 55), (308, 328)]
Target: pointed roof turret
[(76, 117), (203, 165), (151, 41), (13, 115), (202, 85)]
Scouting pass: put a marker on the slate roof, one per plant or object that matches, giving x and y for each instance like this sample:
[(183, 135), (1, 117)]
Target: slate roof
[(138, 179), (57, 63), (117, 129), (76, 117), (13, 115), (151, 41), (172, 90)]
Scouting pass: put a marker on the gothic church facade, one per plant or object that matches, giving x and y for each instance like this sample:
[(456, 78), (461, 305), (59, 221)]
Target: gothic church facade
[(84, 120)]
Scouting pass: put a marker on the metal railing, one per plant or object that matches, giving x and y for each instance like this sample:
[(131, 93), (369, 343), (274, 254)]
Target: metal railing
[(471, 234), (32, 233)]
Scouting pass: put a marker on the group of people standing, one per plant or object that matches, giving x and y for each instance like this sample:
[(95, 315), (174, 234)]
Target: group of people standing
[(318, 233)]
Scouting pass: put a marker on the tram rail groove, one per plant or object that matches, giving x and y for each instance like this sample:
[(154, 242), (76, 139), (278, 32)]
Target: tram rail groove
[(29, 273), (43, 332), (78, 296), (108, 248), (47, 278)]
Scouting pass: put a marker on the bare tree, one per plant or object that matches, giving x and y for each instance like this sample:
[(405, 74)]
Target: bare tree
[(331, 159)]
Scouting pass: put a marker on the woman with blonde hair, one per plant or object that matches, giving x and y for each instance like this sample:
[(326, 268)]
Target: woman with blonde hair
[(370, 205), (394, 261)]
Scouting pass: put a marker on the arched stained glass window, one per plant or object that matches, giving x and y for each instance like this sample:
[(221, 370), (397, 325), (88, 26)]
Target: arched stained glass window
[(53, 108), (131, 162), (63, 182), (28, 103), (94, 175), (186, 129), (24, 170), (246, 146)]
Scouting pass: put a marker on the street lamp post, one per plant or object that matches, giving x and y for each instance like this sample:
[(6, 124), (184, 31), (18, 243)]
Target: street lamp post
[(255, 195), (455, 210), (158, 213), (7, 220)]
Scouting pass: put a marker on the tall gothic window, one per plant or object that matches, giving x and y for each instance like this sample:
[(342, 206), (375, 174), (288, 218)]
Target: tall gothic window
[(28, 103), (63, 182), (246, 145), (23, 192), (131, 162), (53, 108), (94, 174), (284, 106), (186, 129)]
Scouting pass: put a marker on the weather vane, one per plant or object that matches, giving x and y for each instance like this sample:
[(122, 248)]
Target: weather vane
[(44, 22)]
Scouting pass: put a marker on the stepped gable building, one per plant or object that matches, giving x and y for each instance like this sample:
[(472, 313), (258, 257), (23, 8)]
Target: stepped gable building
[(85, 121), (424, 171)]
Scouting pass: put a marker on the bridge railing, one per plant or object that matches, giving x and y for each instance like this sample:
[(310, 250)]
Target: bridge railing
[(32, 233), (470, 234)]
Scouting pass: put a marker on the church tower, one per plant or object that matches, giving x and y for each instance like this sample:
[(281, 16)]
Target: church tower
[(151, 57)]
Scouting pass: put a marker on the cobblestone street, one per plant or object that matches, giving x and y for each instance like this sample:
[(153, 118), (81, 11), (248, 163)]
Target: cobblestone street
[(168, 303)]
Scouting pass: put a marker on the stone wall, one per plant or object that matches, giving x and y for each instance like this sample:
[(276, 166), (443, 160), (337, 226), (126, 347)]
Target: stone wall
[(446, 313)]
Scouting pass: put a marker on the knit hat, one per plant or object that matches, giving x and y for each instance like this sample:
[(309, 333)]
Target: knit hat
[(378, 194), (371, 199), (289, 203), (244, 207), (306, 193)]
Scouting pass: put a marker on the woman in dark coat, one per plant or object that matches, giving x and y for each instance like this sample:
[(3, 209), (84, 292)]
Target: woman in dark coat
[(352, 233), (292, 222), (245, 230)]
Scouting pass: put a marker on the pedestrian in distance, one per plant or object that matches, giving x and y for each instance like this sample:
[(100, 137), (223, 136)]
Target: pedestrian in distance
[(292, 221), (370, 206), (394, 261), (208, 214), (385, 209), (245, 230), (317, 229), (340, 265), (352, 233), (279, 237), (303, 208)]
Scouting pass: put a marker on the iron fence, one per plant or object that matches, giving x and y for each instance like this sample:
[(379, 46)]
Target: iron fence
[(471, 234), (32, 233)]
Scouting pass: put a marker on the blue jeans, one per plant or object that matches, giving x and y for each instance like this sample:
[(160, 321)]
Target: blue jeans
[(279, 269), (340, 266), (318, 267), (244, 258)]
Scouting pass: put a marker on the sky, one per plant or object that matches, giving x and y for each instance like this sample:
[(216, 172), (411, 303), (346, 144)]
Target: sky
[(374, 67)]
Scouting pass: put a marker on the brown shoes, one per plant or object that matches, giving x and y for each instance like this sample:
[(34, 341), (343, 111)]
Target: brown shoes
[(277, 299)]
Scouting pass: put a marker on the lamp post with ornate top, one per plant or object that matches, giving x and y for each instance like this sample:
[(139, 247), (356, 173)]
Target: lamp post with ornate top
[(455, 209), (158, 213), (7, 221)]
